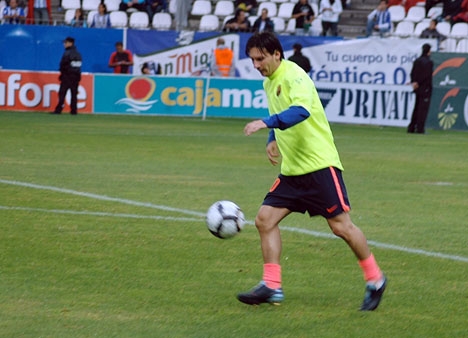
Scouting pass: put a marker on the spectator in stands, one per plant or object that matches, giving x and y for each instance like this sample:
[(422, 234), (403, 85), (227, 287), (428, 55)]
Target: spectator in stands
[(421, 81), (132, 5), (101, 19), (263, 23), (330, 10), (450, 9), (249, 6), (121, 59), (463, 15), (304, 15), (223, 60), (239, 23), (431, 32), (39, 12), (379, 20), (78, 20), (150, 68), (181, 14), (300, 59), (14, 14), (155, 6)]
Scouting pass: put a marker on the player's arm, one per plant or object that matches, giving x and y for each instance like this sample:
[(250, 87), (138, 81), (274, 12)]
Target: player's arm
[(286, 119)]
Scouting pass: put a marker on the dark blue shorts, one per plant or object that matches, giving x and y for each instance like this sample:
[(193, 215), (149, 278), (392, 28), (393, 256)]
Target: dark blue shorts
[(321, 192)]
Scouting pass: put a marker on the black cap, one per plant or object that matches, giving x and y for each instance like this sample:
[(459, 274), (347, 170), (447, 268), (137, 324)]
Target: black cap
[(297, 46), (69, 39)]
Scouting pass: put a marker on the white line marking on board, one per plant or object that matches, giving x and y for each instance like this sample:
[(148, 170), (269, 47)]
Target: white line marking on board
[(195, 213)]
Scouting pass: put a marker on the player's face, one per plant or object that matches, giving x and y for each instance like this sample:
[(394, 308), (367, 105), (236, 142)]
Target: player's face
[(265, 62)]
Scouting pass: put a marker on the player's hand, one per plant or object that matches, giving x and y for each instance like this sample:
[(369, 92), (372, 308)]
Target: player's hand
[(272, 152), (253, 127)]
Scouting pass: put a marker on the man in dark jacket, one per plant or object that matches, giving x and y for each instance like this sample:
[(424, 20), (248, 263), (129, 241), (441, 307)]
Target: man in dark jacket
[(299, 59), (421, 80), (70, 76)]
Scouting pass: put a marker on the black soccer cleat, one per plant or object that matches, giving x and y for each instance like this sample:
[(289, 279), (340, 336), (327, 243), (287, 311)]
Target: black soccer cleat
[(262, 294), (373, 296)]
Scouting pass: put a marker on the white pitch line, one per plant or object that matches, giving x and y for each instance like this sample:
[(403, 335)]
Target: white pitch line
[(200, 214), (102, 214)]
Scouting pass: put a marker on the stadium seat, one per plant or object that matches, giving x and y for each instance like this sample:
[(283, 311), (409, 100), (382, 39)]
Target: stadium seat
[(252, 19), (118, 19), (71, 4), (90, 5), (90, 16), (280, 25), (316, 27), (415, 14), (224, 8), (462, 46), (172, 6), (420, 26), (448, 45), (397, 13), (459, 30), (434, 12), (444, 28), (285, 10), (271, 6), (404, 29), (162, 21), (226, 19), (281, 1), (209, 23), (315, 7), (291, 26), (201, 7), (112, 5), (69, 15), (138, 20)]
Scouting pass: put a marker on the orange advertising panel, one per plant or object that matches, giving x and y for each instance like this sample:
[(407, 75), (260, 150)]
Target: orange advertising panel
[(38, 91)]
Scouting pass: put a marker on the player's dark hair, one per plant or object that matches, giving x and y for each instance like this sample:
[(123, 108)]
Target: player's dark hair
[(265, 42)]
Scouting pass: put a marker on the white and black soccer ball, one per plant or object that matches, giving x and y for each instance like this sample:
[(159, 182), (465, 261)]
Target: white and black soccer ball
[(225, 219)]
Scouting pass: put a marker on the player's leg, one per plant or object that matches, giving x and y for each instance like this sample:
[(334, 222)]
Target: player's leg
[(343, 227), (269, 290)]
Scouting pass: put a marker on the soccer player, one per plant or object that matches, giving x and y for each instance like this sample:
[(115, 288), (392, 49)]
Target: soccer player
[(310, 178)]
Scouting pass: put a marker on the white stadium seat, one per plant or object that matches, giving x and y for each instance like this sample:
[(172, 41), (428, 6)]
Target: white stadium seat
[(271, 6), (201, 7), (118, 19), (397, 13), (209, 23), (224, 8), (162, 21), (415, 14), (138, 20), (404, 29)]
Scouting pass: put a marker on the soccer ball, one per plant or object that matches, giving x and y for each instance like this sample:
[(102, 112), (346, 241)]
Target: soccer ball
[(225, 219)]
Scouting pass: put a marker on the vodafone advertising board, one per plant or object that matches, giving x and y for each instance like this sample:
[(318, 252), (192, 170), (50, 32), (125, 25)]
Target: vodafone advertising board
[(38, 91)]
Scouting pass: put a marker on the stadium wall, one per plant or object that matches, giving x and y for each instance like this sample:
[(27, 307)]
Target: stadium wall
[(360, 81)]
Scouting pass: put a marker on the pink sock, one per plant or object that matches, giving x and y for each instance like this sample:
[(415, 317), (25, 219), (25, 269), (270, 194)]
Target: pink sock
[(370, 269), (272, 275)]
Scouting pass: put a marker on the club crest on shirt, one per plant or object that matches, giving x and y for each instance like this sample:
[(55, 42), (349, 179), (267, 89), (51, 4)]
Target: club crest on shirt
[(278, 90)]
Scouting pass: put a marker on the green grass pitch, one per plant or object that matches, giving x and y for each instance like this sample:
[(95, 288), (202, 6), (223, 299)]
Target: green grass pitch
[(102, 232)]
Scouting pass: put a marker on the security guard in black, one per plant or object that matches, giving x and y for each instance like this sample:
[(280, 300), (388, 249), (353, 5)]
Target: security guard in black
[(70, 76)]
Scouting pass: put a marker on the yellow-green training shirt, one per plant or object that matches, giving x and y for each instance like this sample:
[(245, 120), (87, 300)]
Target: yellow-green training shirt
[(307, 146)]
